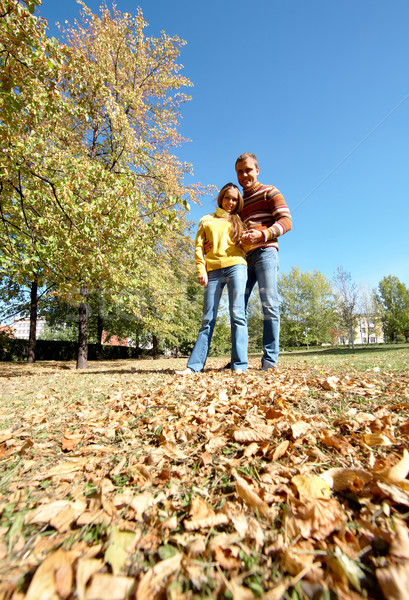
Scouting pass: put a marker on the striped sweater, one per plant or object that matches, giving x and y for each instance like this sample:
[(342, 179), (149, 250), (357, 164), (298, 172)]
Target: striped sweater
[(265, 205)]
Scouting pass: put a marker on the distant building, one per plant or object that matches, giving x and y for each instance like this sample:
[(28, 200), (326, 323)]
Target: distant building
[(368, 332), (114, 340), (21, 328)]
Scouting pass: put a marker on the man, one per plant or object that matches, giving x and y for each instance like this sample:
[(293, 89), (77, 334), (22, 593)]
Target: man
[(267, 217)]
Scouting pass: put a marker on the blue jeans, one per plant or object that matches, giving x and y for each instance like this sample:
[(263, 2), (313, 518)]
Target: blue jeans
[(263, 269), (235, 278)]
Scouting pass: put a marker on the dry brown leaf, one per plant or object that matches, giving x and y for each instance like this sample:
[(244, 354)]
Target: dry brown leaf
[(280, 450), (203, 517), (297, 557), (212, 521), (155, 580), (86, 568), (109, 587), (334, 440), (239, 592), (250, 497), (251, 449), (227, 557), (299, 429), (398, 472), (394, 581), (46, 513), (331, 383), (340, 479), (43, 586), (141, 503), (63, 580), (71, 441), (400, 545), (376, 439), (64, 468), (317, 517), (215, 444), (262, 433)]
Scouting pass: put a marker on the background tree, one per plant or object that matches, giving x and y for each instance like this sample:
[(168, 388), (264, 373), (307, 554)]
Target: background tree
[(394, 301), (307, 307), (347, 295), (369, 315)]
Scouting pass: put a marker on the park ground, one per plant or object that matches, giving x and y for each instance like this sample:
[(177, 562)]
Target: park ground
[(128, 481)]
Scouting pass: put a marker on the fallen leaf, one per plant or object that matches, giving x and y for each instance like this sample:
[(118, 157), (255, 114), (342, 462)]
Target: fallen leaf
[(120, 543), (109, 587), (317, 517), (394, 581), (155, 580), (311, 486), (250, 497), (43, 586)]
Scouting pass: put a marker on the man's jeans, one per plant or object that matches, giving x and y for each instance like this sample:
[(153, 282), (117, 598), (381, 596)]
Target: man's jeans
[(235, 278), (263, 269)]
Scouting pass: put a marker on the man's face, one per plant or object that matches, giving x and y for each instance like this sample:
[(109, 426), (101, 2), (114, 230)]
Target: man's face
[(247, 173)]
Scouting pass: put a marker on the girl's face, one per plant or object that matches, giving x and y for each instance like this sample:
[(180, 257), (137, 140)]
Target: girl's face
[(230, 199)]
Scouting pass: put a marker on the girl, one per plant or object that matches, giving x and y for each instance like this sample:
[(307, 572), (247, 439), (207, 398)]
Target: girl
[(224, 264)]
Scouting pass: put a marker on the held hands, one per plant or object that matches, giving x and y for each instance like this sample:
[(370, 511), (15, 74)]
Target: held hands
[(252, 236), (202, 280)]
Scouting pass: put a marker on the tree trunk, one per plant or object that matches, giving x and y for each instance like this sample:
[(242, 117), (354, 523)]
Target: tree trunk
[(33, 321), (155, 351), (83, 329), (100, 330)]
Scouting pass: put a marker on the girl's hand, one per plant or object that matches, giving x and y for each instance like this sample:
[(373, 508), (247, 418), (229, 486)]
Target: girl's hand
[(202, 280)]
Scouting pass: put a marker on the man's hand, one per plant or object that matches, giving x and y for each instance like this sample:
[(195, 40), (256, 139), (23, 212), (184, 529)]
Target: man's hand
[(202, 280), (252, 236)]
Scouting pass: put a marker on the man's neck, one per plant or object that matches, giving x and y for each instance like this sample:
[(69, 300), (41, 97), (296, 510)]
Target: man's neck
[(251, 189)]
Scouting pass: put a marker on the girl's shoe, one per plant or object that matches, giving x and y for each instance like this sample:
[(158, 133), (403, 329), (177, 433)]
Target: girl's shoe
[(186, 371), (238, 371)]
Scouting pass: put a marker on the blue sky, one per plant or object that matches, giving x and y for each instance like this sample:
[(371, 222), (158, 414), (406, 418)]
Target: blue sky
[(319, 91)]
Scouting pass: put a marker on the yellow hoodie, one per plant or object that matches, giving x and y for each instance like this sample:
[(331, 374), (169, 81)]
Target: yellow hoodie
[(217, 229)]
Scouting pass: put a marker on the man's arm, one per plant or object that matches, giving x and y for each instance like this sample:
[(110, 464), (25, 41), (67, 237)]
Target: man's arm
[(281, 213)]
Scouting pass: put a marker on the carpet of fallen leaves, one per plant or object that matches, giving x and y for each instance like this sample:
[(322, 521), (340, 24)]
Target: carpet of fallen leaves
[(290, 483)]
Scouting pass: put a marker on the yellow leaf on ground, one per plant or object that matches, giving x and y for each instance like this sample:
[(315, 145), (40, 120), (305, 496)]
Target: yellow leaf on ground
[(311, 486)]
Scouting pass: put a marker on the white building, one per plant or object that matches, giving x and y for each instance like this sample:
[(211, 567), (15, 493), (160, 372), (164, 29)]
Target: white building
[(21, 328)]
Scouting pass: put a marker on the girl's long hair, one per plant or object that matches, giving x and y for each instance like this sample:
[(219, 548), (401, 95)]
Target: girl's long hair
[(236, 222)]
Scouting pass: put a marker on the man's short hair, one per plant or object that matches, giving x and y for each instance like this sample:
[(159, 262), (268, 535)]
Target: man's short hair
[(247, 155)]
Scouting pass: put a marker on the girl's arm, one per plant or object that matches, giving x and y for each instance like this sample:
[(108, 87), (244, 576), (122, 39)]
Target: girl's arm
[(200, 254)]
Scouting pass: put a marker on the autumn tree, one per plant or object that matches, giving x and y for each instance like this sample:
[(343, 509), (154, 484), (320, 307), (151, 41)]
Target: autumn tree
[(93, 181), (347, 297), (393, 296), (28, 100)]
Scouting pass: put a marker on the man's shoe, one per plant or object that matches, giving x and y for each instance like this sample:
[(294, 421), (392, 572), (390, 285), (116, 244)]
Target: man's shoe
[(238, 371), (186, 371), (226, 367), (267, 366)]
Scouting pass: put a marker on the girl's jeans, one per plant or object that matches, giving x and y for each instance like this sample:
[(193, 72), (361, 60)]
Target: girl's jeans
[(235, 278), (263, 269)]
